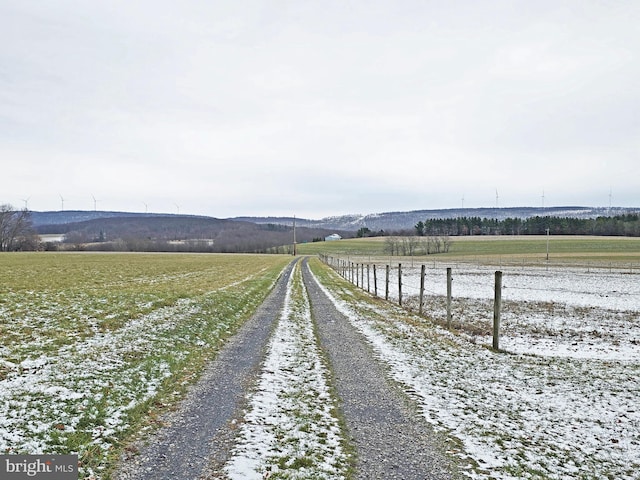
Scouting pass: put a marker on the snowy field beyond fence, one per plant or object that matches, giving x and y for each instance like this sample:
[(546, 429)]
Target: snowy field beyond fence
[(562, 402), (545, 311), (580, 312)]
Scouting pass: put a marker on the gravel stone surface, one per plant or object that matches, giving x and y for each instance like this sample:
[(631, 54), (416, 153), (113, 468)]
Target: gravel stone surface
[(391, 438)]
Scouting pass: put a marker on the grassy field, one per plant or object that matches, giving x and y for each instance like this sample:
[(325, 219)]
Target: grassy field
[(561, 248), (94, 346)]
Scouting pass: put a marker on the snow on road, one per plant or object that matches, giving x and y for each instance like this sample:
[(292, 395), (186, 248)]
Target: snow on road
[(290, 429)]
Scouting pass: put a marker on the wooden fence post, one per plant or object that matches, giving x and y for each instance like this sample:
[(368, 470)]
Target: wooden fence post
[(375, 281), (497, 304), (400, 284), (368, 278), (386, 285), (449, 280), (421, 289)]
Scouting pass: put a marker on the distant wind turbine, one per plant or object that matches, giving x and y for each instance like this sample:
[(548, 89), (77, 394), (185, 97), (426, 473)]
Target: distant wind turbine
[(95, 203), (61, 203), (463, 201), (177, 208), (497, 198), (543, 199), (146, 207), (26, 203)]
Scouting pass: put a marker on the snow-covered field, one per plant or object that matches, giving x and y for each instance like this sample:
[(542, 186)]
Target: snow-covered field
[(568, 312), (564, 402)]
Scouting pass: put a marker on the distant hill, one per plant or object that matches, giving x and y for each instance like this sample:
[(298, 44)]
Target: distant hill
[(63, 217), (157, 232), (391, 221)]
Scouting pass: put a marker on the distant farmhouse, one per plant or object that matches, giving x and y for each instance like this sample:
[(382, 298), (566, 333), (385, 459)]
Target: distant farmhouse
[(332, 237)]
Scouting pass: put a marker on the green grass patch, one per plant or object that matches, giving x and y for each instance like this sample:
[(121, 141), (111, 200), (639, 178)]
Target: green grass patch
[(565, 248)]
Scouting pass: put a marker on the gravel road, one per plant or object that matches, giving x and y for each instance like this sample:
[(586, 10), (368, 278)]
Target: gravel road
[(390, 438)]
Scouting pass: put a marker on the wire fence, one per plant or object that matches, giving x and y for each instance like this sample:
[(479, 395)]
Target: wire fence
[(442, 291)]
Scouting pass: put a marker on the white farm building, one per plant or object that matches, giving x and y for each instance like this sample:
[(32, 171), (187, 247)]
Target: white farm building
[(332, 237)]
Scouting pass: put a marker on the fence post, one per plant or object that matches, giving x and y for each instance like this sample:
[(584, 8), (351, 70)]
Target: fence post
[(449, 280), (368, 278), (386, 285), (375, 281), (497, 304), (400, 284), (362, 276), (421, 289)]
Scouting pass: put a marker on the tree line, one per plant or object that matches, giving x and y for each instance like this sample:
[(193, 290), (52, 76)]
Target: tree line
[(619, 225)]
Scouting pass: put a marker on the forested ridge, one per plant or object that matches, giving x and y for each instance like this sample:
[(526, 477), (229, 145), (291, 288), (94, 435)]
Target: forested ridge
[(619, 225)]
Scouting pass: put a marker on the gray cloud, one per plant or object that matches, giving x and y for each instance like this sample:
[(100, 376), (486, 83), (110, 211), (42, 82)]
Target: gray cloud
[(234, 108)]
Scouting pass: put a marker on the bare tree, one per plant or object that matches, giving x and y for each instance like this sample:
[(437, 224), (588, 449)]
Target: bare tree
[(438, 244), (410, 245), (433, 244), (446, 243), (392, 246), (16, 230)]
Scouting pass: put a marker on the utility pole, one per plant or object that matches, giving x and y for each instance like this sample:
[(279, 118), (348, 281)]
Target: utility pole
[(294, 236), (547, 244)]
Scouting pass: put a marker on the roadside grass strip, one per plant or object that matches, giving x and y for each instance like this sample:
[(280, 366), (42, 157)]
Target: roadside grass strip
[(291, 430), (514, 415), (73, 380)]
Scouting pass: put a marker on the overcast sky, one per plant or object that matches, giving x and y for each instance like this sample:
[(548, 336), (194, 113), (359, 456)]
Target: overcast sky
[(229, 108)]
